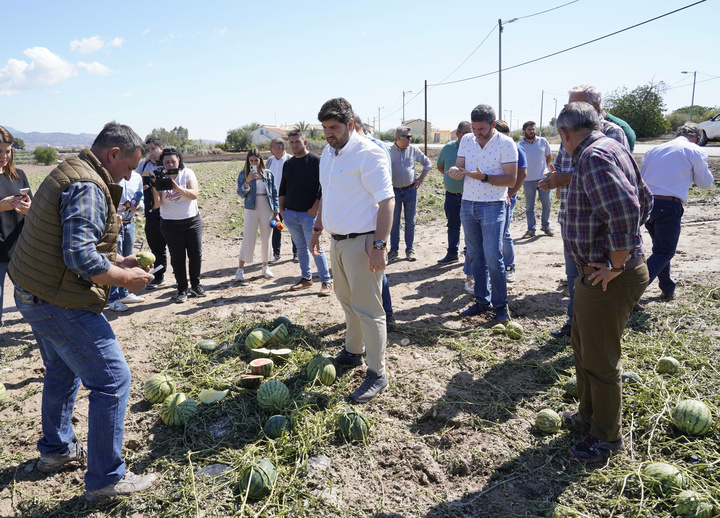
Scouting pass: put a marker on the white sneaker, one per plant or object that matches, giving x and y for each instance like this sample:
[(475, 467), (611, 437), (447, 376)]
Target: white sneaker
[(239, 275), (130, 298), (470, 286), (118, 306), (509, 274), (267, 272)]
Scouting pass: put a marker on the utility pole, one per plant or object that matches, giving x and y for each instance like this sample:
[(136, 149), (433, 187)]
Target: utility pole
[(500, 30), (379, 108), (542, 99), (692, 102)]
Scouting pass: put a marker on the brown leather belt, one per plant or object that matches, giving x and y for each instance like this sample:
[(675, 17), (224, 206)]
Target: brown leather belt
[(629, 264), (261, 194), (667, 198), (404, 188)]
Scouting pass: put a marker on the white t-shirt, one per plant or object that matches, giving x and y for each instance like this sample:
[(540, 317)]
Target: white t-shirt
[(175, 206), (499, 150), (353, 183), (276, 167)]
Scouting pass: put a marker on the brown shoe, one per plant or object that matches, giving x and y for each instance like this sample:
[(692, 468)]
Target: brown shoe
[(301, 285), (326, 290)]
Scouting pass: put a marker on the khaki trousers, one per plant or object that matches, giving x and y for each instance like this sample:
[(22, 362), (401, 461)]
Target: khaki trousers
[(360, 294), (599, 319), (260, 217)]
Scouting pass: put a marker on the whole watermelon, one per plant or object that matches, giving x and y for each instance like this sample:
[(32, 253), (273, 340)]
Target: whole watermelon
[(353, 425), (276, 426), (571, 388), (664, 478), (691, 504), (177, 409), (282, 320), (322, 369), (158, 387), (273, 396), (514, 330), (258, 479), (692, 417), (548, 421), (668, 365)]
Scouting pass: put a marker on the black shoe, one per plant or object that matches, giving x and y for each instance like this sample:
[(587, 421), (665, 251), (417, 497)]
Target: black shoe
[(667, 297), (181, 296), (475, 309), (197, 291), (345, 358), (449, 258), (295, 258), (562, 332)]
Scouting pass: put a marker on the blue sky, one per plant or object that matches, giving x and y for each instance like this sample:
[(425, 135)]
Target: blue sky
[(215, 66)]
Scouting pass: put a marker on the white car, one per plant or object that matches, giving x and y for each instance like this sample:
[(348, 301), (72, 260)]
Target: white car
[(710, 130)]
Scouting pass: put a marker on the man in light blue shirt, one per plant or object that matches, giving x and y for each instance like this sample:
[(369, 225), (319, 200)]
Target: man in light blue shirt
[(405, 184), (539, 157)]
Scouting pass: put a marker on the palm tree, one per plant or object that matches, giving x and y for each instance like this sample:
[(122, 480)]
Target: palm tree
[(301, 126)]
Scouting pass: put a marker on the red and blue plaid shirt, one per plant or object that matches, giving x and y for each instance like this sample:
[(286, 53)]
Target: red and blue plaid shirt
[(607, 202)]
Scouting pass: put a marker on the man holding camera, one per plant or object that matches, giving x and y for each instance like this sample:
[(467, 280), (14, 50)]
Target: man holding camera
[(154, 237)]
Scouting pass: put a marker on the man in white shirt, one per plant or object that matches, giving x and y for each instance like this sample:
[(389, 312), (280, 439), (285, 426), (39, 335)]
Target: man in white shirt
[(275, 163), (356, 209), (487, 160), (539, 157), (669, 170)]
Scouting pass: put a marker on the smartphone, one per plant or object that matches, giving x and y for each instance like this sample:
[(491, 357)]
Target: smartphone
[(23, 192), (253, 169)]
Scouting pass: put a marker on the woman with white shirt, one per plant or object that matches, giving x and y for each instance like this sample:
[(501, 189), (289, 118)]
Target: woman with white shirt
[(257, 186), (180, 224)]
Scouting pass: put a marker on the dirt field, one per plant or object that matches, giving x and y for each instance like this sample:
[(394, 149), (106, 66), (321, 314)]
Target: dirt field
[(424, 452)]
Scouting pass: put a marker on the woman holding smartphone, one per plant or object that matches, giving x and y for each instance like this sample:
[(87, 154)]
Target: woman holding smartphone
[(257, 186), (180, 223), (15, 200)]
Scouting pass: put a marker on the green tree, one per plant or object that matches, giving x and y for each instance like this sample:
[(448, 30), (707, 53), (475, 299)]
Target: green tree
[(642, 108), (177, 137), (314, 134), (18, 143), (240, 139), (45, 155), (302, 126)]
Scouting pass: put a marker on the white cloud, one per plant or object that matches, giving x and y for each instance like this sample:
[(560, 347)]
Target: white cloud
[(87, 45), (221, 32), (150, 65), (44, 68), (94, 43), (146, 31), (95, 68), (128, 94)]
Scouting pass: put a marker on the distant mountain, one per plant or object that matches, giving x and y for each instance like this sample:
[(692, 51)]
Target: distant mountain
[(36, 139)]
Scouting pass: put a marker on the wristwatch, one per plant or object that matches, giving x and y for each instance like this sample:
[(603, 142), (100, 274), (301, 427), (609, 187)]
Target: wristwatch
[(616, 270), (379, 245), (485, 179)]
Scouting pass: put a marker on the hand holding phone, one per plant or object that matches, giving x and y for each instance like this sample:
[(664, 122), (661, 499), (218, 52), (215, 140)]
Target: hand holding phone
[(23, 192)]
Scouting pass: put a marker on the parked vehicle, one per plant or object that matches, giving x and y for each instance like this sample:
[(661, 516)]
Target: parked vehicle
[(710, 130)]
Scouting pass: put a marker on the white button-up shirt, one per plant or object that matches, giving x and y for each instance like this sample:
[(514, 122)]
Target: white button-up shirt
[(499, 150)]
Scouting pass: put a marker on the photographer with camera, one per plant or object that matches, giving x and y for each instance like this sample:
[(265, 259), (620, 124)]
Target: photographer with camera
[(175, 191), (257, 186), (15, 200), (153, 234)]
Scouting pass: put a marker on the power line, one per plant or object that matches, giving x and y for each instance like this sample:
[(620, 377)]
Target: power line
[(471, 54), (546, 10), (573, 47)]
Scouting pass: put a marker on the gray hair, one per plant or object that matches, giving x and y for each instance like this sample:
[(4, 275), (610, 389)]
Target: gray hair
[(402, 130), (279, 141), (295, 133), (357, 120), (593, 94), (462, 125), (120, 136), (483, 113), (578, 116), (689, 129)]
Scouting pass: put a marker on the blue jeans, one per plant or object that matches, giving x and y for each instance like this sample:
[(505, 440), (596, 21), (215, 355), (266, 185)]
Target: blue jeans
[(3, 271), (404, 198), (452, 213), (126, 242), (79, 346), (508, 245), (484, 223), (386, 301), (530, 188), (664, 226), (300, 225)]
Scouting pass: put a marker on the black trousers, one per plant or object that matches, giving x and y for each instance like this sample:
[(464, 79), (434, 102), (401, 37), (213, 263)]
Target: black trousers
[(157, 244), (184, 239)]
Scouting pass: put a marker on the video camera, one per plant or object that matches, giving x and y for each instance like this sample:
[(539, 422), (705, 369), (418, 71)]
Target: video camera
[(163, 182)]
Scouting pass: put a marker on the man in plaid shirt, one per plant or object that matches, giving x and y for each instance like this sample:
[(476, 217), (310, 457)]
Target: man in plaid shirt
[(607, 203)]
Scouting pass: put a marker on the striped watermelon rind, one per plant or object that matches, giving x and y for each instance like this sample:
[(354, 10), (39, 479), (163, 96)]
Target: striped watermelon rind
[(327, 374), (692, 417), (282, 320), (630, 378), (250, 381), (177, 409), (548, 421), (664, 478), (353, 425), (258, 479), (317, 364), (514, 330), (158, 387), (262, 367), (273, 396), (280, 356), (571, 387), (276, 426), (257, 338), (277, 336), (692, 504), (207, 345)]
